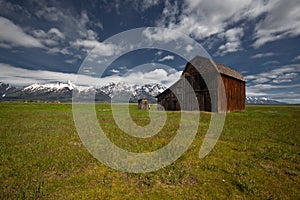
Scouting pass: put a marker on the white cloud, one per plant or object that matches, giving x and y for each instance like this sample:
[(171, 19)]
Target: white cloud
[(189, 48), (169, 14), (89, 44), (91, 35), (6, 46), (154, 76), (272, 83), (83, 30), (261, 80), (281, 21), (51, 38), (100, 49), (270, 86), (168, 57), (138, 5), (205, 18), (158, 53), (284, 78), (161, 35), (115, 71), (145, 4), (13, 35), (234, 34), (70, 61), (23, 77), (272, 62), (57, 32), (39, 33), (267, 89), (50, 13), (278, 75), (249, 77), (9, 9), (56, 50), (296, 58), (233, 37), (262, 55), (10, 74), (75, 28)]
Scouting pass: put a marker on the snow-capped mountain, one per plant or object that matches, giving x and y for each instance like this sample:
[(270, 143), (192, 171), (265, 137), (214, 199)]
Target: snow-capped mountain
[(50, 87), (58, 86), (152, 89), (63, 92), (53, 92), (261, 100), (134, 91), (5, 88)]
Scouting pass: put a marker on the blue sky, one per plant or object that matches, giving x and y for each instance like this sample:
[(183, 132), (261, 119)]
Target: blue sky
[(43, 41)]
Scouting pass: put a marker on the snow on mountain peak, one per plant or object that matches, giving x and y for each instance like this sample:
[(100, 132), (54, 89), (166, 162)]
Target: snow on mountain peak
[(111, 89), (261, 100), (56, 87), (136, 90)]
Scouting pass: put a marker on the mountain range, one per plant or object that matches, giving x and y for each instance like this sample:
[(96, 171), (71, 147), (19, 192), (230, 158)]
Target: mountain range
[(63, 92), (117, 92), (261, 100)]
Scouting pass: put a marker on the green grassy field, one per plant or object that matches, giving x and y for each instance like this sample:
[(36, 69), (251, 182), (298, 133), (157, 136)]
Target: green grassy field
[(256, 157)]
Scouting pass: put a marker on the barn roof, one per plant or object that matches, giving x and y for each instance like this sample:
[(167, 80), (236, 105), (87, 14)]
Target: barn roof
[(229, 72), (198, 61)]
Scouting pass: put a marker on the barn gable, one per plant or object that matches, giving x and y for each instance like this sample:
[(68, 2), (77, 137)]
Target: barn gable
[(206, 85)]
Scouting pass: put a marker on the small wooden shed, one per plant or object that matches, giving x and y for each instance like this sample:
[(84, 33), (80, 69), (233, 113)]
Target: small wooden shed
[(143, 104), (200, 88)]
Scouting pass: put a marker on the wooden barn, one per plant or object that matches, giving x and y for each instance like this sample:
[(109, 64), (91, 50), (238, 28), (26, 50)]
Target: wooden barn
[(206, 87)]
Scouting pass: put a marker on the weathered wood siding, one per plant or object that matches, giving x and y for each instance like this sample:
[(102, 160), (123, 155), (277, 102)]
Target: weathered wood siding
[(205, 88), (235, 94)]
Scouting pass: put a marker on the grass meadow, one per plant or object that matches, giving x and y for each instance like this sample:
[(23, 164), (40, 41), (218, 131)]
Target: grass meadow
[(256, 157)]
